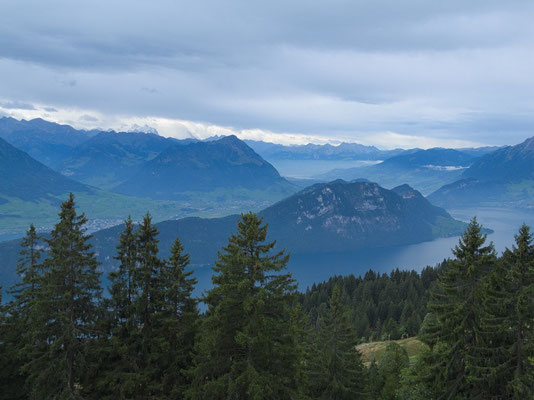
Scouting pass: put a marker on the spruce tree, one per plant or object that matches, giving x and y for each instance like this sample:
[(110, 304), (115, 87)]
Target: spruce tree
[(337, 372), (457, 304), (19, 315), (66, 309), (116, 373), (29, 270), (178, 321), (519, 317), (123, 289), (391, 365), (11, 376), (246, 345)]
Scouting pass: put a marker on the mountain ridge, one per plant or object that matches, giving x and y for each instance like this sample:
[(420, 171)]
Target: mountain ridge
[(204, 166), (504, 177)]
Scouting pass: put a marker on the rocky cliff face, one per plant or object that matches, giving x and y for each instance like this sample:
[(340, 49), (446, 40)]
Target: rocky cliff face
[(340, 216)]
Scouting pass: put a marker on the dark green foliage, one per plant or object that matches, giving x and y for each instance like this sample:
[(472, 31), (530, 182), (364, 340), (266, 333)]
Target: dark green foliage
[(18, 315), (150, 321), (178, 322), (21, 312), (414, 380), (458, 306), (64, 310), (246, 347), (481, 326), (336, 371), (390, 366), (60, 340), (375, 381), (116, 372), (514, 297), (383, 306)]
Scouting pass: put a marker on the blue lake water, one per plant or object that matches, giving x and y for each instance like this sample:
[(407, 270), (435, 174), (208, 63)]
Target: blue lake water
[(307, 269), (311, 168)]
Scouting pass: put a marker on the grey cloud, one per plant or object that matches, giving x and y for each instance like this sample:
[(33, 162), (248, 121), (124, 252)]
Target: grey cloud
[(443, 69), (17, 105), (88, 118)]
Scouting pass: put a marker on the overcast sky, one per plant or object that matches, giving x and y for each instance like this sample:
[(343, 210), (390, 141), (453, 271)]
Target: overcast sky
[(390, 73)]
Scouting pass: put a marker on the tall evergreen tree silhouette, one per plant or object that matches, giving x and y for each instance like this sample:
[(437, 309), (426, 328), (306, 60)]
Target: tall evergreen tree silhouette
[(246, 347), (66, 306)]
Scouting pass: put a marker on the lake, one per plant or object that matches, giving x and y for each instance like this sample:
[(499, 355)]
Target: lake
[(309, 269), (310, 168)]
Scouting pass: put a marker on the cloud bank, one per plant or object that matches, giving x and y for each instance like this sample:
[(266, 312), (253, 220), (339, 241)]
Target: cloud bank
[(390, 73)]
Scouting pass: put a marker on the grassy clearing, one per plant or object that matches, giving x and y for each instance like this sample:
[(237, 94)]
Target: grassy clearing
[(372, 351)]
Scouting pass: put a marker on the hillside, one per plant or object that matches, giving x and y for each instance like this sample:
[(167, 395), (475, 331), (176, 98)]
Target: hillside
[(504, 177), (227, 165), (342, 216), (45, 141), (426, 170), (509, 164), (110, 158), (30, 192), (24, 178)]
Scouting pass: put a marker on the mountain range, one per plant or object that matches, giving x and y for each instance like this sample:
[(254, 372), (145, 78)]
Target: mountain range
[(45, 141), (343, 151), (205, 167), (503, 177), (110, 158), (427, 170), (31, 192), (115, 174)]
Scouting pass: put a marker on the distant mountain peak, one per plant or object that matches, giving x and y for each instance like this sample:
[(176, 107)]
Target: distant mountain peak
[(143, 129), (528, 144), (204, 166)]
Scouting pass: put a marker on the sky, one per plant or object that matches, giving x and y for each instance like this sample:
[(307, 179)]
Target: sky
[(400, 73)]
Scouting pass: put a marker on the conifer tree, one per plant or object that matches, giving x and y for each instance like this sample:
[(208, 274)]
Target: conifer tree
[(149, 306), (457, 304), (246, 347), (116, 373), (20, 312), (123, 290), (29, 269), (178, 321), (519, 318), (391, 365), (11, 377), (374, 381), (338, 370), (66, 306)]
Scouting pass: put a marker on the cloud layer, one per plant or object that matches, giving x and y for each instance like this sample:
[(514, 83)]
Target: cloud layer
[(380, 72)]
